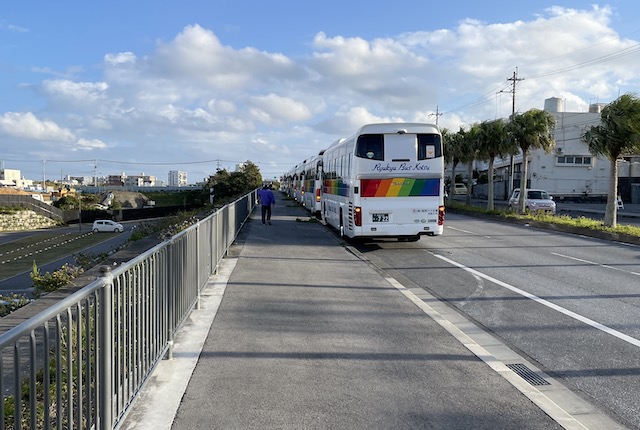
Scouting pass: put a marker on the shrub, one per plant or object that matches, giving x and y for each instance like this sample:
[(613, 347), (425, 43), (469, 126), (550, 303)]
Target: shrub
[(49, 282), (143, 230), (11, 303), (87, 261)]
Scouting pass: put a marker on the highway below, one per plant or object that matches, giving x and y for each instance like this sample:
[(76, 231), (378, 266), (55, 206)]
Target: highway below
[(22, 283), (567, 303)]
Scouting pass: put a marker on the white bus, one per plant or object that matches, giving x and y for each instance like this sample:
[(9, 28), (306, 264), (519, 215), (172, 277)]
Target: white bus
[(287, 183), (313, 184), (386, 181)]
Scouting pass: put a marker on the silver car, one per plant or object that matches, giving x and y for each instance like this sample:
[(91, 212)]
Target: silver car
[(107, 225), (537, 201)]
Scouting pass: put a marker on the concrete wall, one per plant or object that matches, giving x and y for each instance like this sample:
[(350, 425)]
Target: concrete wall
[(24, 220)]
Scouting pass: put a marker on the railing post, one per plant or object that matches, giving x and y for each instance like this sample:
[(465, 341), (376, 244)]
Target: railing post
[(105, 390), (198, 265), (170, 297)]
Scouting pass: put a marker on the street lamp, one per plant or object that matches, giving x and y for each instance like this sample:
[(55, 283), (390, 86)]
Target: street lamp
[(79, 212)]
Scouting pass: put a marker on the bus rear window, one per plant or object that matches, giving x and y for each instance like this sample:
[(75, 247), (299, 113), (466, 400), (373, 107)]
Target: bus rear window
[(429, 146), (370, 146)]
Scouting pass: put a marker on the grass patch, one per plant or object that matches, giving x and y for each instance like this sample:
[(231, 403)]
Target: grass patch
[(43, 248), (582, 222)]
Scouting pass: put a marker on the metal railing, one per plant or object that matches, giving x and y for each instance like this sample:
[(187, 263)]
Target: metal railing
[(29, 203), (82, 363)]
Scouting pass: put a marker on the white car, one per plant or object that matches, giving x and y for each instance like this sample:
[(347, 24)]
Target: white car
[(107, 225), (459, 188), (537, 201)]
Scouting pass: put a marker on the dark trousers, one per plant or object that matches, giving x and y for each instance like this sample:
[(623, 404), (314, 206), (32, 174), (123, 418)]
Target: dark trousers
[(266, 213)]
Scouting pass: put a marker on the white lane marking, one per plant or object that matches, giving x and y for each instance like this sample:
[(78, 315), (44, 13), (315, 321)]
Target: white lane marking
[(459, 229), (467, 231), (595, 264), (567, 312)]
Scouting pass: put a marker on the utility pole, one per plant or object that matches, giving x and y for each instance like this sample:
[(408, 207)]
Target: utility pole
[(513, 80), (437, 115)]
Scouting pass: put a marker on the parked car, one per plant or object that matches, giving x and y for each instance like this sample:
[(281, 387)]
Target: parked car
[(107, 225), (536, 201), (459, 189)]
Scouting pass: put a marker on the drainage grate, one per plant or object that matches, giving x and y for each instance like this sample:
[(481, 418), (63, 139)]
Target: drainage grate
[(527, 374)]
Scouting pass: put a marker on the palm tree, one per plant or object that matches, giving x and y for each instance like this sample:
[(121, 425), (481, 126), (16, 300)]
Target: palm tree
[(617, 135), (469, 152), (531, 130), (494, 142), (452, 144)]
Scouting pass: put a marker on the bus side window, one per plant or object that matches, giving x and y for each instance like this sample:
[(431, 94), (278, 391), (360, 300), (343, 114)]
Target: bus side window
[(370, 146), (429, 146)]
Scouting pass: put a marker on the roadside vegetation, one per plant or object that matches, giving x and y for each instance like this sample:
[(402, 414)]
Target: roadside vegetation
[(37, 250), (563, 220), (617, 136)]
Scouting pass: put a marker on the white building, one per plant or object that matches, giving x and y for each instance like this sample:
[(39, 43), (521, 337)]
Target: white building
[(177, 178), (9, 177), (570, 171), (13, 178)]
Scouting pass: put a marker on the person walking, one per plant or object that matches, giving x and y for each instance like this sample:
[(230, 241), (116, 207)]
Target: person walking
[(266, 200)]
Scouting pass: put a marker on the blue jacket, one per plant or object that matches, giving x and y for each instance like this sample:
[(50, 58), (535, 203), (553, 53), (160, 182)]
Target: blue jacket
[(266, 197)]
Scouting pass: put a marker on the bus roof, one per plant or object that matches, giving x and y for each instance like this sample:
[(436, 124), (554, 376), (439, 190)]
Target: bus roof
[(398, 127)]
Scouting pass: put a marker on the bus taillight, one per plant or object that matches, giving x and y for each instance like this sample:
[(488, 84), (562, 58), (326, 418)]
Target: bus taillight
[(357, 216), (318, 195), (440, 215)]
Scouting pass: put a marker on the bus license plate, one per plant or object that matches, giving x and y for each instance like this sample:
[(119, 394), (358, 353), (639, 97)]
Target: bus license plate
[(380, 217)]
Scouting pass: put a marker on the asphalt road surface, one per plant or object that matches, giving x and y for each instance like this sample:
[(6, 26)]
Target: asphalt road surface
[(568, 303), (22, 284)]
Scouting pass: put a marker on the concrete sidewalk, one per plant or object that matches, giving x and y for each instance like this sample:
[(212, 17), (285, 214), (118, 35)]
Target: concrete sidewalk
[(298, 331)]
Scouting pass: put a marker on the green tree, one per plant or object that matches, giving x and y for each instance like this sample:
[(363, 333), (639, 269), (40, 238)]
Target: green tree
[(617, 135), (67, 202), (252, 175), (452, 145), (469, 153), (531, 130), (228, 185), (493, 142)]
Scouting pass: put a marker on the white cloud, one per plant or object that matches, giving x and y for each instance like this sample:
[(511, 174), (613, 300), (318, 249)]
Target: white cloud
[(344, 123), (197, 55), (28, 126), (86, 144), (120, 58), (79, 95), (193, 97), (12, 27), (274, 109)]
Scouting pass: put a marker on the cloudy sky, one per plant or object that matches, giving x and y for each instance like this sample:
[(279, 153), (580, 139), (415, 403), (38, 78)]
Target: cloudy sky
[(151, 86)]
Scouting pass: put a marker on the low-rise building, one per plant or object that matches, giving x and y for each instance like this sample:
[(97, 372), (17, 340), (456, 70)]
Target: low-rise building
[(570, 171)]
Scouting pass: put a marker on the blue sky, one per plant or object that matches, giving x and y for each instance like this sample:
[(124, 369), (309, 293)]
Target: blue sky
[(152, 86)]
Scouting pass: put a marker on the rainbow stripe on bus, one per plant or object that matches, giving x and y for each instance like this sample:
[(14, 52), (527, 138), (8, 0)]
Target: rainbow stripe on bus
[(400, 187)]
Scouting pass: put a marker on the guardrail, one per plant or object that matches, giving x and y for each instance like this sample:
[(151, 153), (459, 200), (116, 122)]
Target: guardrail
[(82, 363), (28, 202)]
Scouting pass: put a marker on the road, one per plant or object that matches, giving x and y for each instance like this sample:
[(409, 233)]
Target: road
[(22, 283), (570, 304)]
